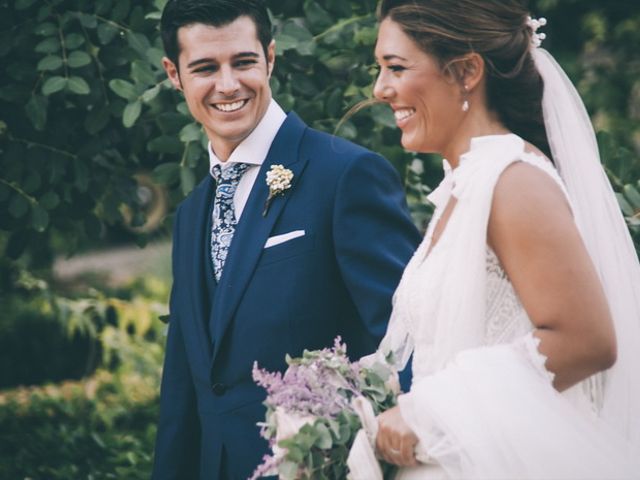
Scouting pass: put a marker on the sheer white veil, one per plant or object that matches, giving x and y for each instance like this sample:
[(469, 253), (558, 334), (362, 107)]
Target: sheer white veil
[(603, 229)]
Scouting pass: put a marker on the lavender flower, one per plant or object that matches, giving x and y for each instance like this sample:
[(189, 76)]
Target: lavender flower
[(268, 466), (321, 383)]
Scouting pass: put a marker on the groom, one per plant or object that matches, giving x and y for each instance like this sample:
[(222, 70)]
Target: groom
[(261, 271)]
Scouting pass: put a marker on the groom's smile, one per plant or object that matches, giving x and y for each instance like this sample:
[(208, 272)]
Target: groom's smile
[(230, 107)]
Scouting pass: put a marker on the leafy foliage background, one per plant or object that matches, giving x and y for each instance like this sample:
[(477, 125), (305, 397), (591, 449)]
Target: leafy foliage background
[(85, 106)]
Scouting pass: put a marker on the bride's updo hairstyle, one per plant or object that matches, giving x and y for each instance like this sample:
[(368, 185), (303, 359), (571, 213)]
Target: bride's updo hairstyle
[(495, 29)]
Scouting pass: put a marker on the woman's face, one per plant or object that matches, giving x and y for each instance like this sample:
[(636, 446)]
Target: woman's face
[(426, 102)]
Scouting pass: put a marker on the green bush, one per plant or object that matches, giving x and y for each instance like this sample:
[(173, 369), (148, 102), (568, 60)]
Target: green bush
[(101, 429)]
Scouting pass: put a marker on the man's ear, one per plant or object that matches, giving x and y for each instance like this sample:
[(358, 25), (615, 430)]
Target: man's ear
[(271, 57), (172, 73)]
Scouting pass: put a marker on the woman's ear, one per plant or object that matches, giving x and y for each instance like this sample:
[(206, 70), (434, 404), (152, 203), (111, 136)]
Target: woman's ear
[(467, 71), (471, 70)]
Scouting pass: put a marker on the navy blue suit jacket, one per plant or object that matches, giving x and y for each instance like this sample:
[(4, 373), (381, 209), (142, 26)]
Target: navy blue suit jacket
[(337, 279)]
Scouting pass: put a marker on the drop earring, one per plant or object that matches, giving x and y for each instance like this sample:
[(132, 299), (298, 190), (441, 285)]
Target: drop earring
[(465, 104)]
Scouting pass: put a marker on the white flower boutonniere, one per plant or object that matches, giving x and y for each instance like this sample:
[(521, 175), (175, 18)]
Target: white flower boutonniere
[(278, 180)]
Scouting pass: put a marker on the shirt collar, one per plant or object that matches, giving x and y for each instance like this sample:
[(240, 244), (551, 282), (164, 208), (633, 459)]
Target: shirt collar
[(255, 147)]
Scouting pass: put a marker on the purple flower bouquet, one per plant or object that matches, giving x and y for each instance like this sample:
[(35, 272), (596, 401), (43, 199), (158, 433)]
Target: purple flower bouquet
[(311, 422)]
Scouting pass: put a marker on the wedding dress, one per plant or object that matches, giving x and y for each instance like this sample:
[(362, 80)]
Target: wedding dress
[(482, 402)]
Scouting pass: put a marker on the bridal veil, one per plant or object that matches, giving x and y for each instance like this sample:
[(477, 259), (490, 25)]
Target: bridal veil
[(603, 229)]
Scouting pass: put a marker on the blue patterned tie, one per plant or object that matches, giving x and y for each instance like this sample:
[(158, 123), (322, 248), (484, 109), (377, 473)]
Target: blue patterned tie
[(224, 217)]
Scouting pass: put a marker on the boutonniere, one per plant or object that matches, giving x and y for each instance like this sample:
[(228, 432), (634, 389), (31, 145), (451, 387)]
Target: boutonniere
[(278, 180)]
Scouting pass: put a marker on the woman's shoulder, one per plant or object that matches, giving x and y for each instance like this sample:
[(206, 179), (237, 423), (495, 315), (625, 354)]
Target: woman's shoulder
[(524, 181), (506, 162), (517, 167), (529, 197), (531, 177), (521, 182)]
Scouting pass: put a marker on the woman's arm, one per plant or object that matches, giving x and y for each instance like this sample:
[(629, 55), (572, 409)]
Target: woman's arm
[(532, 230)]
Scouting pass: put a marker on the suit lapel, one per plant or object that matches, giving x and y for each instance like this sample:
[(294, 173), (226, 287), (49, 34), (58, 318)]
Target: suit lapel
[(197, 254), (253, 229)]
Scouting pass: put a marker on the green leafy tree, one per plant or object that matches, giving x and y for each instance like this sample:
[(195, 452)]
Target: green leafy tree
[(85, 105)]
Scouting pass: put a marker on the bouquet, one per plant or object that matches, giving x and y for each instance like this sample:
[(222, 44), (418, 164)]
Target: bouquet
[(311, 420)]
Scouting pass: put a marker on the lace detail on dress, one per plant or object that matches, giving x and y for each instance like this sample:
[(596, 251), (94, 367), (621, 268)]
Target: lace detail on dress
[(506, 318), (531, 345)]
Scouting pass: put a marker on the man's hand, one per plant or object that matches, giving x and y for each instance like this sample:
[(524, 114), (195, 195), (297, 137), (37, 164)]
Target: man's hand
[(396, 441)]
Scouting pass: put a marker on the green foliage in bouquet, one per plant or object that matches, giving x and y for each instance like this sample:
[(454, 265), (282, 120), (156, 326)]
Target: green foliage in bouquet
[(310, 421), (319, 450)]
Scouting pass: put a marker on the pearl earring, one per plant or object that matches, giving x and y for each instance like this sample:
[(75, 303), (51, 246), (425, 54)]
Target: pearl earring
[(465, 104)]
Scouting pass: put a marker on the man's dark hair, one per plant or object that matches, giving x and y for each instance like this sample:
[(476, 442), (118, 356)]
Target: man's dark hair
[(216, 13)]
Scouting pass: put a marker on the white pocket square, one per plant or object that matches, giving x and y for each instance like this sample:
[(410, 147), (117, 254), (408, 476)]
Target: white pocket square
[(285, 237)]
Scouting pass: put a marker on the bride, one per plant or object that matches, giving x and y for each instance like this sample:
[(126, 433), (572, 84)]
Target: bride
[(521, 306)]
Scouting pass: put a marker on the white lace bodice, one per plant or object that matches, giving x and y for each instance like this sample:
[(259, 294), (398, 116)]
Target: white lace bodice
[(506, 318)]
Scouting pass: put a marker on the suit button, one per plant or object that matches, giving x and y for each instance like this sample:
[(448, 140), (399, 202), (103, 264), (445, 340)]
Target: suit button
[(219, 388)]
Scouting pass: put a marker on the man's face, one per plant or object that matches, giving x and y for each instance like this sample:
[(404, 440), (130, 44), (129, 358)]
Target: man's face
[(225, 79)]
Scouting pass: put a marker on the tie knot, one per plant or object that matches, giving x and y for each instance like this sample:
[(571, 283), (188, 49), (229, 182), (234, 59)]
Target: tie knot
[(230, 174)]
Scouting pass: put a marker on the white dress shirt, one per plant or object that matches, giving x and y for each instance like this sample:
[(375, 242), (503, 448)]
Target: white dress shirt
[(252, 150)]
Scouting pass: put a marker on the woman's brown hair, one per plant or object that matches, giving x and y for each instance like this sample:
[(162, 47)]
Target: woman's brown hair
[(498, 31)]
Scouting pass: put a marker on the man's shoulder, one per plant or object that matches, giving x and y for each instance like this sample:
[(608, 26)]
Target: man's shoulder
[(322, 142), (315, 143), (334, 155)]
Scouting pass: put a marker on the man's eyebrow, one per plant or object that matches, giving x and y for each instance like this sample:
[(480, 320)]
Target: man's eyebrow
[(202, 61), (246, 54)]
